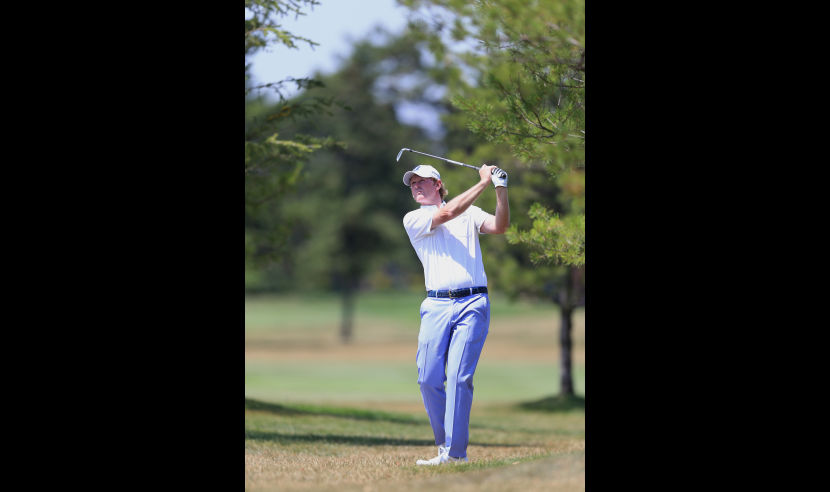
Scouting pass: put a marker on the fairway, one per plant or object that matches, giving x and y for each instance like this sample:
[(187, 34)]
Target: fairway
[(321, 415)]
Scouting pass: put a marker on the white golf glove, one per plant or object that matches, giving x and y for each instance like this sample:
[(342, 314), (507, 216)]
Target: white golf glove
[(499, 177)]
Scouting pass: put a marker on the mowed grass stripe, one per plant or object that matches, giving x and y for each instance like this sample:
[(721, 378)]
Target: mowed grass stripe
[(318, 380)]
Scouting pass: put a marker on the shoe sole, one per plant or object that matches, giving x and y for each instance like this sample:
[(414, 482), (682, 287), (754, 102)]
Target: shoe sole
[(458, 462)]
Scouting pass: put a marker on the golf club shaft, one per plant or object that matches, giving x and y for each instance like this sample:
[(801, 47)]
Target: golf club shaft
[(502, 175), (443, 159)]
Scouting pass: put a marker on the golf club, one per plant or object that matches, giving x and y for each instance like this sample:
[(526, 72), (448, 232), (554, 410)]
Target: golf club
[(398, 159)]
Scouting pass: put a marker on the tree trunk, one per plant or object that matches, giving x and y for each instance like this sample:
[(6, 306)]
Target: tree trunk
[(569, 298), (566, 382), (347, 316)]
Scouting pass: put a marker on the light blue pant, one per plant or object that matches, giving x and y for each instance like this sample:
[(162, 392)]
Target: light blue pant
[(449, 345)]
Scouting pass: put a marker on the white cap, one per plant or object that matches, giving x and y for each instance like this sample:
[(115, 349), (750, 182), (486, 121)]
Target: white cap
[(423, 171)]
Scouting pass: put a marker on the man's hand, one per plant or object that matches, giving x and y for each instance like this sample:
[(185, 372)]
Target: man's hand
[(494, 174), (485, 172), (499, 177)]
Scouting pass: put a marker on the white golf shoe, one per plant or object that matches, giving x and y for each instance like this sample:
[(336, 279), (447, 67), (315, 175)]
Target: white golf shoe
[(443, 457)]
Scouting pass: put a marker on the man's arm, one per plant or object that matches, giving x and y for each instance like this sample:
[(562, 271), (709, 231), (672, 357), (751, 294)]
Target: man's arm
[(462, 202), (501, 221)]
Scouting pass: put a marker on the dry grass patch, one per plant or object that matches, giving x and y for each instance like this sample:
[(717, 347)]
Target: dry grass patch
[(510, 449), (393, 468)]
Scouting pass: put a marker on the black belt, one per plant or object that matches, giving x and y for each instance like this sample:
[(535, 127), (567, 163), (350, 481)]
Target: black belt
[(454, 294)]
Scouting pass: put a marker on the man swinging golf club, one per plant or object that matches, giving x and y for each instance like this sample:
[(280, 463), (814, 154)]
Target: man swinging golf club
[(455, 316)]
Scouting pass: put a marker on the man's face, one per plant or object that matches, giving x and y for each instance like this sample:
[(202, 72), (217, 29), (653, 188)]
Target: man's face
[(425, 191)]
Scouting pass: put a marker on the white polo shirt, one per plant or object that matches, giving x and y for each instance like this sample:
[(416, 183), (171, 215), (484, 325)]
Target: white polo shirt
[(450, 253)]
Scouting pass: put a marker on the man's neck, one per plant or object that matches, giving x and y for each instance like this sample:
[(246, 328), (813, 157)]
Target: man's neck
[(433, 204)]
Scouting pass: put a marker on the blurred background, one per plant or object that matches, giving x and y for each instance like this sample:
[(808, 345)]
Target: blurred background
[(333, 91)]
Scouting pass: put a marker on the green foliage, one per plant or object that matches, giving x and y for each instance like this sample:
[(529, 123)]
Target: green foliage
[(273, 167), (275, 156), (341, 220), (524, 87), (262, 29), (552, 237)]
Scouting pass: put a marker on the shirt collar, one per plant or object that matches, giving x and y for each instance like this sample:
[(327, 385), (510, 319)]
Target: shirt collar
[(428, 206)]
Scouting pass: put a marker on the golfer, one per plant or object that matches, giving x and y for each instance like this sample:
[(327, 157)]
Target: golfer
[(455, 316)]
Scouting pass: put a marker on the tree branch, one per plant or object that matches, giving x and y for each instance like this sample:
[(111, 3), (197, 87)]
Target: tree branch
[(532, 110)]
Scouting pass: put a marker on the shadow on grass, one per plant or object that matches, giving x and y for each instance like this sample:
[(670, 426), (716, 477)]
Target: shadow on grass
[(557, 403), (346, 413), (278, 438), (336, 439)]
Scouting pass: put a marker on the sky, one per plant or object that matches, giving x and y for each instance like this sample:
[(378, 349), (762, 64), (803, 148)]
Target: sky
[(331, 24)]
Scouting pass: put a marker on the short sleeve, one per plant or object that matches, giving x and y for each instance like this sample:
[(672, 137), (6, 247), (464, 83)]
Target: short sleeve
[(418, 223), (479, 216)]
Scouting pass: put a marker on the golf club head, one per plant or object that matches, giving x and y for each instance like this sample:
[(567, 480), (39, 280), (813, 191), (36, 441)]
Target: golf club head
[(397, 159)]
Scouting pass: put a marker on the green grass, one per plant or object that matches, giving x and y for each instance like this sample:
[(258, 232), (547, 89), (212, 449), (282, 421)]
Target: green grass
[(315, 380), (384, 346), (349, 413), (266, 313)]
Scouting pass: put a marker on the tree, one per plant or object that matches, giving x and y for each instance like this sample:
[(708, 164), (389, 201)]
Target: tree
[(262, 31), (346, 211), (273, 164), (524, 87)]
